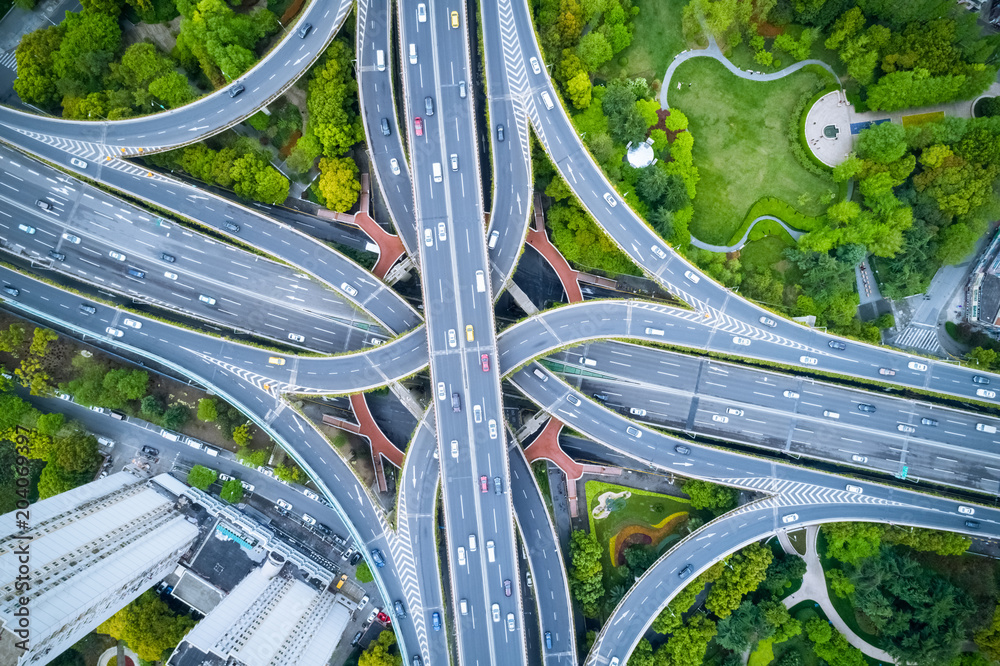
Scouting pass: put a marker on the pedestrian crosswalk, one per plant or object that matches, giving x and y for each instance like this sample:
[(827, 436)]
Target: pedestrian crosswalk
[(8, 60), (919, 336)]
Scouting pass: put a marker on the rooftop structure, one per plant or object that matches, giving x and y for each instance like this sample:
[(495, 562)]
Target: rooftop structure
[(82, 556)]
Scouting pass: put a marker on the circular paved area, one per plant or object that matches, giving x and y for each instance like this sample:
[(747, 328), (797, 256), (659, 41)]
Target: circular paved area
[(131, 658), (828, 128)]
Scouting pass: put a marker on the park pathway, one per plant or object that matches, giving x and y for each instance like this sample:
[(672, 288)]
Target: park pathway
[(814, 589), (794, 233)]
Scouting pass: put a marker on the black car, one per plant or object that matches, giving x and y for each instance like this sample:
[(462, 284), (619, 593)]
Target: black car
[(12, 291), (58, 256), (398, 607), (235, 228), (136, 273), (236, 90), (385, 127), (979, 379), (88, 309), (865, 407), (355, 558), (150, 451), (304, 30), (603, 397), (683, 450), (169, 258), (323, 529), (837, 344), (685, 572), (928, 422), (497, 485), (378, 558), (972, 524)]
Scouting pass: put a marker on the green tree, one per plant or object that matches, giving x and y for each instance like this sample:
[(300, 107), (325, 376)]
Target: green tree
[(332, 101), (176, 416), (12, 339), (676, 121), (363, 573), (242, 434), (338, 183), (148, 626), (882, 143), (88, 46), (40, 341), (580, 90), (36, 76), (201, 477), (586, 574), (746, 627), (382, 651), (783, 571), (705, 495), (208, 410), (55, 480), (594, 50), (840, 584), (852, 542), (232, 491), (745, 570), (291, 474), (688, 644), (50, 424), (152, 408), (642, 655)]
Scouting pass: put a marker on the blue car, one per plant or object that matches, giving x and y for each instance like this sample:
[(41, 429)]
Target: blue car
[(436, 620), (378, 558)]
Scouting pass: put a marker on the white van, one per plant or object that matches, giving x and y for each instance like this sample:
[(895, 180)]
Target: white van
[(472, 543), (380, 60), (986, 427), (830, 415), (413, 54), (588, 361), (463, 606), (480, 281), (654, 331), (541, 375), (194, 444), (547, 99), (212, 452), (172, 436), (437, 172)]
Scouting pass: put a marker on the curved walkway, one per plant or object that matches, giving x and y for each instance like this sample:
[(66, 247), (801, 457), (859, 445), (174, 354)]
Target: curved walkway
[(713, 51), (794, 233), (814, 589)]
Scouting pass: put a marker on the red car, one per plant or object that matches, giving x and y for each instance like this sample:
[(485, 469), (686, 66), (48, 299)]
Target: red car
[(484, 484), (383, 618), (418, 123), (485, 360)]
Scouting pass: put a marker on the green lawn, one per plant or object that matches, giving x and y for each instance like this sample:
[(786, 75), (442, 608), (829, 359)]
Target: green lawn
[(741, 144), (655, 42), (645, 511), (798, 540)]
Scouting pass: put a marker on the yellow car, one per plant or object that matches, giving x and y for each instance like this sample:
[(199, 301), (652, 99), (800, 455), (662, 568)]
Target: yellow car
[(276, 360), (454, 19), (469, 334)]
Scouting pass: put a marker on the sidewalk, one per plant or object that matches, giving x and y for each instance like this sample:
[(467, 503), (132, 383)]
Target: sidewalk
[(814, 589), (538, 239)]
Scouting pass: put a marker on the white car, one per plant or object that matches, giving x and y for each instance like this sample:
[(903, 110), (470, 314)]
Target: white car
[(743, 342), (442, 232), (807, 360), (170, 276), (114, 332), (493, 428), (510, 622), (790, 518), (496, 612), (859, 459), (284, 505), (477, 413), (117, 255), (394, 165), (535, 67), (634, 432), (225, 477), (310, 494), (658, 252), (454, 449), (986, 393), (734, 411), (132, 323), (247, 486), (967, 510), (635, 411), (854, 489), (428, 238), (461, 556), (295, 337), (64, 396), (207, 300), (78, 162), (307, 519), (26, 228), (441, 394), (452, 340), (610, 199), (791, 394), (422, 13), (348, 289), (71, 238), (920, 367), (691, 276), (494, 235), (767, 321), (902, 427), (719, 418)]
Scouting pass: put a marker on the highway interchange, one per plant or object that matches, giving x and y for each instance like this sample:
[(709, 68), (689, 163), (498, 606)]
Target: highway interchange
[(437, 205)]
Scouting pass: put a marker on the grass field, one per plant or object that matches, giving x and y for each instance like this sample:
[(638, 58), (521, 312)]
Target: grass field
[(650, 512), (741, 144), (917, 119), (655, 42)]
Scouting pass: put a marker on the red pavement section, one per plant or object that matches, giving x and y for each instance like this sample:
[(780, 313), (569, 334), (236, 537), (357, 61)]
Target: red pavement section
[(367, 428), (540, 241), (546, 447), (390, 248)]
